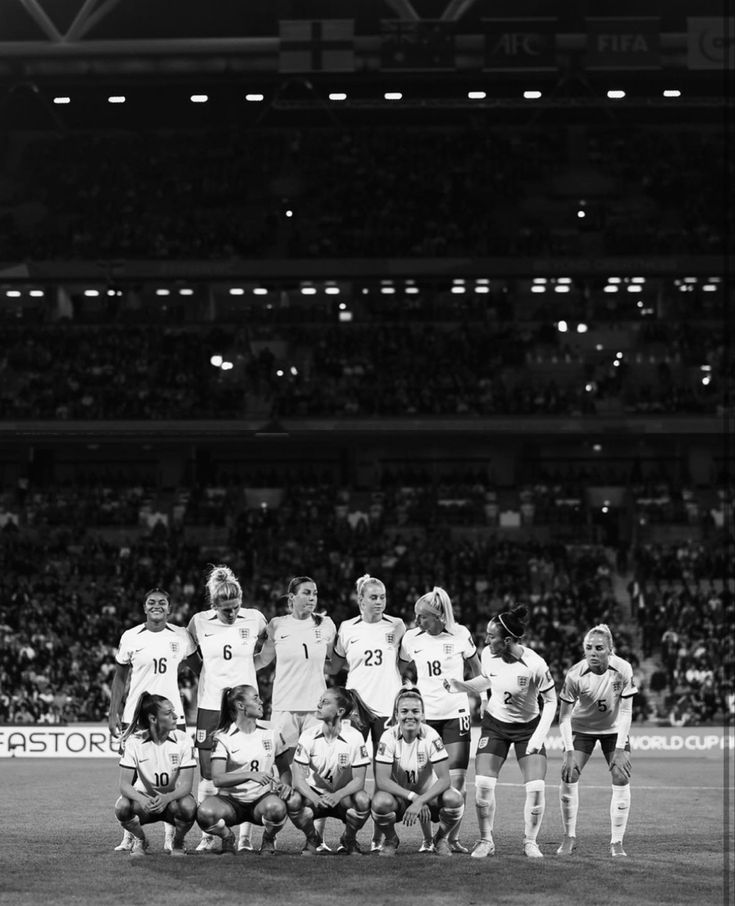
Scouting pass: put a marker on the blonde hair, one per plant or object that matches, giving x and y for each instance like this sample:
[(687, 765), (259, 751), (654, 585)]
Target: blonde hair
[(363, 582), (440, 604), (604, 630), (222, 585)]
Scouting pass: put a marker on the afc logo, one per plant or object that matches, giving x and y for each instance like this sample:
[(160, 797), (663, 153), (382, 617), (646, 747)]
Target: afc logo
[(519, 44)]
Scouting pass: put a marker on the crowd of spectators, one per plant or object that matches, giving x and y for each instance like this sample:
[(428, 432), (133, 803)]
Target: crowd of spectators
[(150, 371), (379, 191)]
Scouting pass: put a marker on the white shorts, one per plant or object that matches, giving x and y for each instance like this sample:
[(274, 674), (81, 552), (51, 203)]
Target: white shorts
[(291, 724)]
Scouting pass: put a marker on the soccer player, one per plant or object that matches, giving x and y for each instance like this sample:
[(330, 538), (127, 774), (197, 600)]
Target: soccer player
[(439, 648), (515, 676), (329, 770), (369, 645), (301, 642), (596, 706), (150, 655), (156, 774), (412, 779), (227, 636), (245, 750)]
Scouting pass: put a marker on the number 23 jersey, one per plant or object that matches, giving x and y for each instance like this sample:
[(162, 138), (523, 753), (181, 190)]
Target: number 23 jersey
[(516, 685), (371, 651)]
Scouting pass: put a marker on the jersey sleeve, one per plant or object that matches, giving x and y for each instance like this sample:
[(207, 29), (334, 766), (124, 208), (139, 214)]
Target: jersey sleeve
[(131, 754), (386, 748), (192, 629), (629, 686), (437, 750), (406, 652), (329, 625), (302, 755), (190, 646), (569, 692), (339, 646), (124, 652), (469, 648), (219, 749), (186, 751), (545, 679), (360, 757)]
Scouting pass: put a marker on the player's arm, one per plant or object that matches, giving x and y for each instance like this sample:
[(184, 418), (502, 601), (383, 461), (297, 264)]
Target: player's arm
[(268, 652), (570, 770), (620, 760), (356, 784), (544, 725), (472, 666), (336, 664), (119, 682), (193, 662), (384, 781), (408, 672), (222, 778), (299, 773), (127, 779), (182, 788), (477, 685)]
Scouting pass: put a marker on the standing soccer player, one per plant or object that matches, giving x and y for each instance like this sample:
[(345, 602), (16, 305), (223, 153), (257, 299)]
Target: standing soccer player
[(441, 649), (227, 636), (516, 676), (150, 654), (596, 706)]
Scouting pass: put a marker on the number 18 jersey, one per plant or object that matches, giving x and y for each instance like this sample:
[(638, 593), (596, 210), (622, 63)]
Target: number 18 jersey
[(438, 657)]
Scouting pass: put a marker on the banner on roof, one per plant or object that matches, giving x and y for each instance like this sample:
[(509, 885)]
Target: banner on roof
[(623, 43), (711, 42), (520, 44), (316, 45), (424, 44)]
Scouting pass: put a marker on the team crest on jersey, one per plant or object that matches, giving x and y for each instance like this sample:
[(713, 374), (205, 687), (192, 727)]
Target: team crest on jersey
[(343, 759), (421, 757), (268, 745), (174, 758), (448, 649), (318, 634), (299, 751), (244, 633), (390, 638), (522, 681), (617, 687), (175, 647), (201, 735)]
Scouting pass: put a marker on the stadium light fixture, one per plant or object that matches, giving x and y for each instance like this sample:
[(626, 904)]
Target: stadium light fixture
[(216, 360), (457, 290), (477, 95), (199, 98), (538, 288), (561, 288), (482, 288), (260, 291), (163, 292), (14, 294), (37, 293), (562, 326), (337, 96), (227, 366), (610, 288), (671, 93), (62, 100), (237, 291), (616, 94), (254, 98), (393, 95), (532, 95), (308, 290), (581, 327), (91, 293), (116, 99), (185, 291)]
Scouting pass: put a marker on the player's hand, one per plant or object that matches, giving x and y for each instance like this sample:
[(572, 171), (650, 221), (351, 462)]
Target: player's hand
[(535, 744), (450, 685), (283, 790), (329, 800), (620, 762), (570, 770), (261, 777), (416, 812), (115, 727)]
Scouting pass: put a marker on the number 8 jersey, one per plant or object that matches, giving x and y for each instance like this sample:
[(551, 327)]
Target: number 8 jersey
[(256, 751), (438, 657)]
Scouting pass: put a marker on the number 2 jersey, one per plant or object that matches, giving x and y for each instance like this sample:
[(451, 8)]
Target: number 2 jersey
[(227, 652), (596, 697), (301, 651), (154, 658), (516, 685), (330, 761), (256, 751), (413, 762), (438, 657), (158, 764), (371, 652)]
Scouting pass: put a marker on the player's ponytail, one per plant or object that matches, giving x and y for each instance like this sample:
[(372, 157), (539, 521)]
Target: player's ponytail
[(440, 604), (146, 707)]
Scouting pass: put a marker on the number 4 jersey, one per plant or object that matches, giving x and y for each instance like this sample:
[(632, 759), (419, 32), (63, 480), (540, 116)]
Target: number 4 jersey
[(596, 697), (154, 658)]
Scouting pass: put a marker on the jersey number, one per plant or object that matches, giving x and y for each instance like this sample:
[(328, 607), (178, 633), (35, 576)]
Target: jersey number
[(374, 658), (507, 698), (602, 705), (435, 668), (411, 777), (306, 651), (159, 665), (227, 652), (255, 765), (162, 779)]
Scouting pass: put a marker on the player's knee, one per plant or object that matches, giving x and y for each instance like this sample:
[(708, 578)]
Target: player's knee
[(207, 814), (124, 809), (184, 809), (274, 809), (619, 778), (452, 798), (294, 803), (361, 801), (383, 803)]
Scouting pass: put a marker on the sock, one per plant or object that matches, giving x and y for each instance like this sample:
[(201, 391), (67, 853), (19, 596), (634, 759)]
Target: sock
[(319, 826), (569, 801), (485, 803), (426, 830), (133, 827), (533, 810), (271, 828), (246, 830), (619, 811), (458, 777), (205, 788), (449, 821), (218, 829), (385, 824), (355, 819)]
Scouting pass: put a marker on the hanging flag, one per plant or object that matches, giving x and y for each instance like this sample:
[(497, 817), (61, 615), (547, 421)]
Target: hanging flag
[(520, 44), (623, 43), (316, 45), (425, 44)]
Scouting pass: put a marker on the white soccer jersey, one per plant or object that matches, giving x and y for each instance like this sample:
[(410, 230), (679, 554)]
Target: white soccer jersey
[(158, 765), (227, 652), (413, 762), (256, 751), (301, 652), (154, 658), (439, 657), (330, 761), (515, 685), (597, 697), (371, 652)]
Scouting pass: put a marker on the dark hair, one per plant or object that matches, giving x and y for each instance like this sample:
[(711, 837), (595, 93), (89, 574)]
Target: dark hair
[(293, 587), (230, 694), (147, 707), (157, 591), (344, 699), (512, 623)]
